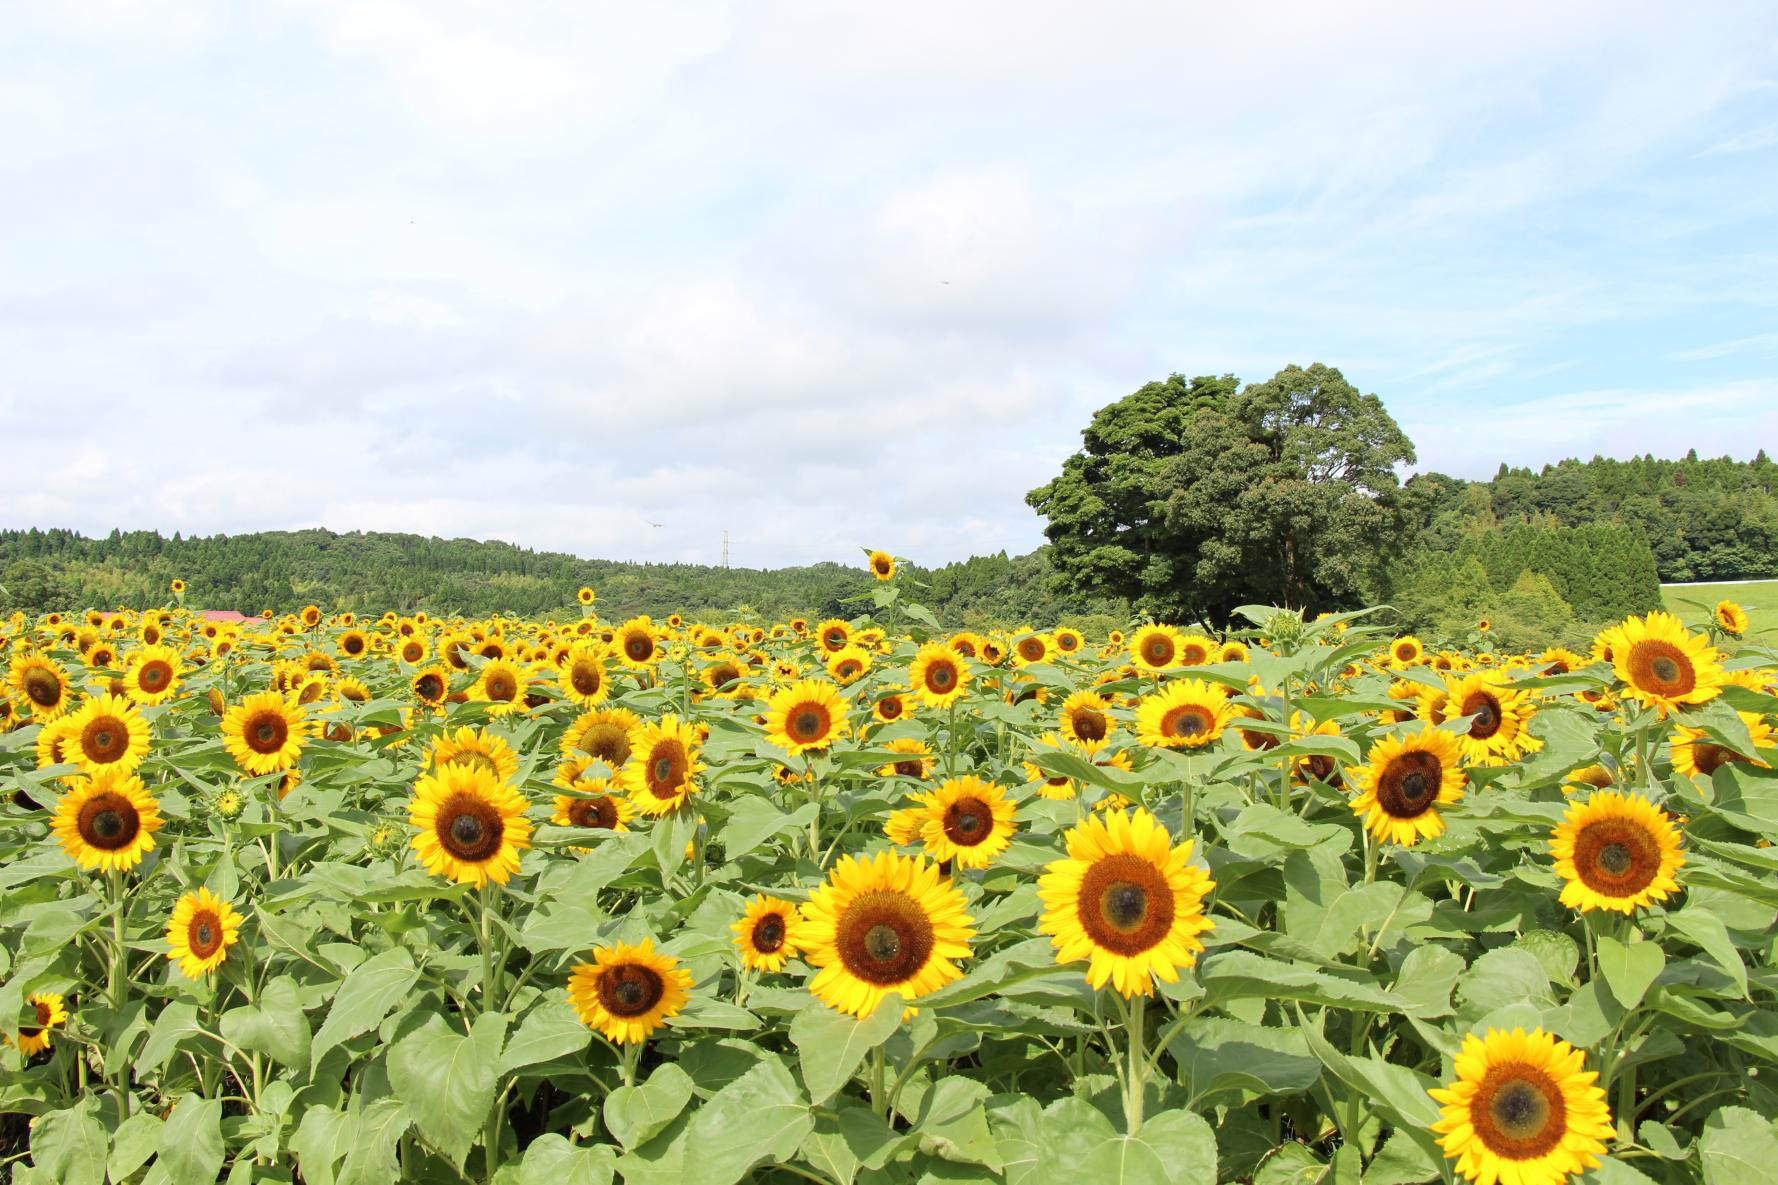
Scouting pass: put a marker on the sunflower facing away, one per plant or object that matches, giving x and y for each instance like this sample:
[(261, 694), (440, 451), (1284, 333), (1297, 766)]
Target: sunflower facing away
[(767, 934), (805, 716), (938, 675), (1185, 714), (199, 933), (1127, 900), (887, 924), (1522, 1111), (52, 1013), (967, 822), (471, 825), (663, 766), (107, 733), (627, 992), (264, 733), (1404, 782), (1663, 664), (1616, 851), (107, 822), (1730, 618)]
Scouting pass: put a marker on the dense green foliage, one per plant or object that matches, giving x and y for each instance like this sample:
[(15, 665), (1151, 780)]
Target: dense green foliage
[(362, 571), (1191, 497)]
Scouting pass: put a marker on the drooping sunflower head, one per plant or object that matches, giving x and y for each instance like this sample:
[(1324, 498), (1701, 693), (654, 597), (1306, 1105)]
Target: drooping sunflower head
[(887, 924), (202, 928), (968, 822), (1616, 851), (265, 732), (767, 934), (1188, 713), (1155, 648), (882, 565), (805, 716), (1127, 900), (479, 748), (602, 734), (107, 822), (1404, 782), (627, 992), (938, 675), (1522, 1109), (1730, 618), (152, 675), (1085, 721), (108, 733), (52, 1014), (1664, 665), (471, 825), (663, 766)]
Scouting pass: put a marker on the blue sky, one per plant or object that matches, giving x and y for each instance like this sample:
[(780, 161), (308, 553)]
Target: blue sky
[(554, 273)]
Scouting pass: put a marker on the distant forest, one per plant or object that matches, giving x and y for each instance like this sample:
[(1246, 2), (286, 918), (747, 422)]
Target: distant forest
[(1701, 519)]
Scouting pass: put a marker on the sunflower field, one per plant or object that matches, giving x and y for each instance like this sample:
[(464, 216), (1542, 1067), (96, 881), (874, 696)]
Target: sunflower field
[(342, 901)]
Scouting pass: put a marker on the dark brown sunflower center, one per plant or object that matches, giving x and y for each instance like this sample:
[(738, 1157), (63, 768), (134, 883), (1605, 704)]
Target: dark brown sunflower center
[(889, 708), (1710, 758), (469, 828), (1518, 1112), (1409, 784), (768, 934), (666, 769), (44, 688), (909, 768), (723, 675), (1485, 710), (205, 934), (44, 1013), (502, 687), (104, 740), (629, 990), (1194, 655), (834, 639), (608, 742), (808, 723), (1188, 720), (108, 821), (1661, 668), (266, 732), (968, 822), (1090, 724), (1405, 653), (1030, 649), (154, 675), (638, 647), (413, 652), (429, 687), (353, 645), (586, 678), (941, 677), (594, 812), (1616, 858), (1125, 904), (1158, 652), (884, 938)]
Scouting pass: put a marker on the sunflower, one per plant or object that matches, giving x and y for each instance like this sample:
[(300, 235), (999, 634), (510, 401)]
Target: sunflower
[(1155, 648), (1405, 780), (430, 685), (938, 675), (1405, 651), (1068, 640), (1730, 618), (889, 707), (967, 822), (108, 733), (593, 802), (1189, 713), (107, 822), (637, 644), (627, 992), (1055, 787), (584, 679), (1126, 899), (501, 686), (471, 824), (311, 616), (1616, 851), (1498, 717), (1695, 756), (152, 675), (1522, 1111), (178, 586), (969, 645), (1032, 647), (585, 595), (1315, 767), (475, 747), (887, 924), (52, 1013), (832, 636), (767, 934), (663, 766), (603, 734), (1232, 651), (1195, 650), (201, 930), (913, 759), (882, 565), (1663, 664), (40, 684), (1597, 777), (805, 717), (264, 733), (1084, 721), (726, 678)]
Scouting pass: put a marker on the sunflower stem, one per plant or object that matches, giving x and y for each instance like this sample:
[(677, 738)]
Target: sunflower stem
[(1136, 1076), (879, 1095), (115, 982), (814, 786), (487, 952)]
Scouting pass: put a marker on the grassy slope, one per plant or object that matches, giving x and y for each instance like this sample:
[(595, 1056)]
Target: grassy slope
[(1759, 598)]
